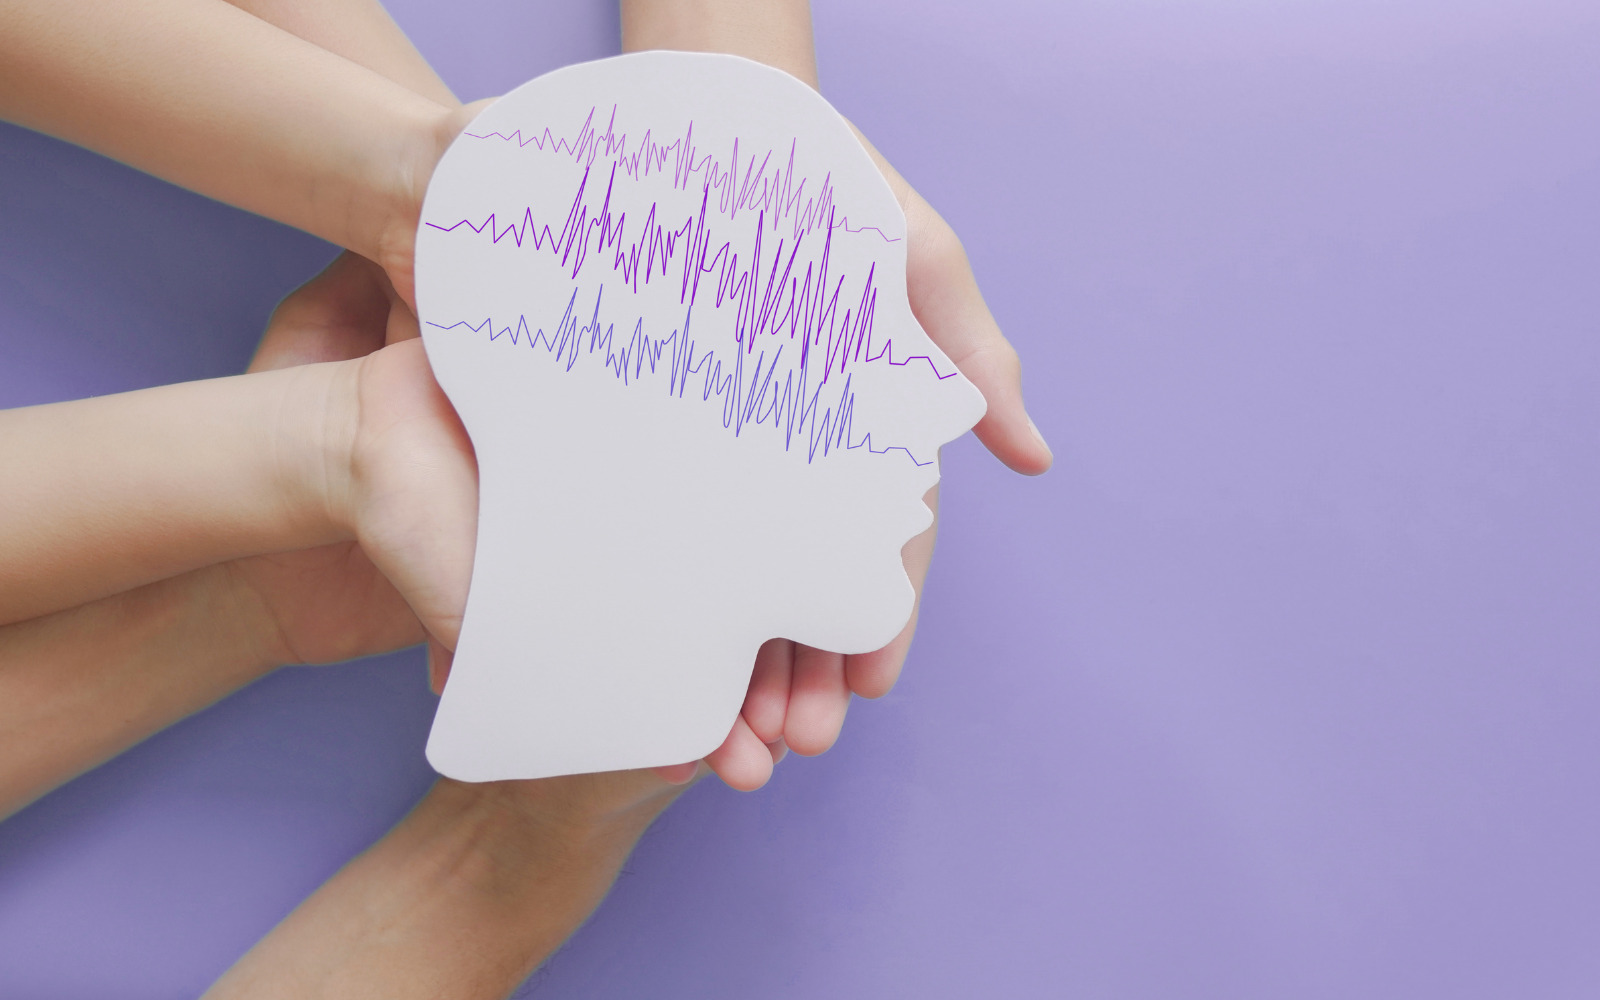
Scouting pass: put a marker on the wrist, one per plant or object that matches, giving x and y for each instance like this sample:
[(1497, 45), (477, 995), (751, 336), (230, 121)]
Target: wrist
[(471, 863), (313, 443), (777, 32), (392, 243), (520, 860), (522, 833)]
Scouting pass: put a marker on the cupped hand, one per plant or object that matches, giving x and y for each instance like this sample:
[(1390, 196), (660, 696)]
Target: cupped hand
[(332, 603), (799, 695)]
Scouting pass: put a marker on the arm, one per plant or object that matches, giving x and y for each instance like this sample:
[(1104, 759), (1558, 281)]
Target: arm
[(209, 97), (464, 898), (78, 686), (360, 31), (113, 492), (81, 686), (109, 493), (775, 32)]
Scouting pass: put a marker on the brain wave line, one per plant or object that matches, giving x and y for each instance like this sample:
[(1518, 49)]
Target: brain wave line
[(742, 184), (800, 305), (750, 392)]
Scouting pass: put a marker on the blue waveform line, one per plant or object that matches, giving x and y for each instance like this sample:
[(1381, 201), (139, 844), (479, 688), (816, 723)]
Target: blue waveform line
[(750, 393)]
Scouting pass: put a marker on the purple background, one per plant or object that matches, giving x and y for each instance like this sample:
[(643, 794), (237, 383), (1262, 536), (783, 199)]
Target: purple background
[(1282, 684)]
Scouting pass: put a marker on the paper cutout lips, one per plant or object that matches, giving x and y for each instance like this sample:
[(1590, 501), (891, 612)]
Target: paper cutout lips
[(666, 294)]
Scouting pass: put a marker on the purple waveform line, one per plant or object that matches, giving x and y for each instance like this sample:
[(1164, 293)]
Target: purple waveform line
[(747, 185), (795, 327), (798, 303), (750, 396)]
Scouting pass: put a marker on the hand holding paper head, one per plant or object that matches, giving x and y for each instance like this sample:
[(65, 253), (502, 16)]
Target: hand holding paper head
[(666, 294)]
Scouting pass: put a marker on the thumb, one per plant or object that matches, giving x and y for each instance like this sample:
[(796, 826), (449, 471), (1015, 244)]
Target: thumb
[(415, 487)]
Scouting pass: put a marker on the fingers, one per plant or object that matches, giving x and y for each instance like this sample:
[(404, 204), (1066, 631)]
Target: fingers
[(743, 761), (818, 701), (337, 315), (947, 302), (872, 675), (767, 702)]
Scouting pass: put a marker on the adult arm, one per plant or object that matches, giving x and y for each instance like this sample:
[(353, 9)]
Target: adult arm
[(208, 96), (81, 686), (360, 31), (464, 898)]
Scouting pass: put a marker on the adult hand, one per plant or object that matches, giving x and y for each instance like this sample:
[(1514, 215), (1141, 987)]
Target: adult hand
[(800, 694)]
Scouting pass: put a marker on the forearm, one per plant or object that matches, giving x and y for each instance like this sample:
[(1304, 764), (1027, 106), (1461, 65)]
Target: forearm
[(209, 97), (105, 494), (775, 32), (360, 31), (80, 686), (464, 898)]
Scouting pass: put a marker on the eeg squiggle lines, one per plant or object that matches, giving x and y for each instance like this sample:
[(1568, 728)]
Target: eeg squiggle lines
[(778, 335)]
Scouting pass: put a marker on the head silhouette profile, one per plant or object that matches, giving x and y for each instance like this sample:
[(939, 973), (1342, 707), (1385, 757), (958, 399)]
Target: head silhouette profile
[(666, 294)]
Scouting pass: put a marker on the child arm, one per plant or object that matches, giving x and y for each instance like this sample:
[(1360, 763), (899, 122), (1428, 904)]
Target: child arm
[(113, 492)]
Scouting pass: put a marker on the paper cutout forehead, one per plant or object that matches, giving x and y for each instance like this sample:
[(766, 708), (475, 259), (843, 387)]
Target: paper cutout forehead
[(666, 294)]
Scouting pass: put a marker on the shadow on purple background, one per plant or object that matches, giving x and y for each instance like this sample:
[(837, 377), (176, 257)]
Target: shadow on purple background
[(1283, 684)]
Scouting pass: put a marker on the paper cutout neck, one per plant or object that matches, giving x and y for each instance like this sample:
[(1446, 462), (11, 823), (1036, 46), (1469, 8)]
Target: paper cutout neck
[(666, 293)]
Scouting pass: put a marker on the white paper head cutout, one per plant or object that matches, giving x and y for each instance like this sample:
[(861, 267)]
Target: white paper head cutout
[(666, 293)]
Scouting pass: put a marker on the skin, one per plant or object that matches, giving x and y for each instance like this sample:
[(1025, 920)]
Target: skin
[(464, 898), (373, 206), (93, 678), (212, 98)]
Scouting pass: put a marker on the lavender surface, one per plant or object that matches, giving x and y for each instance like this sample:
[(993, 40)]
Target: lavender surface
[(1282, 684)]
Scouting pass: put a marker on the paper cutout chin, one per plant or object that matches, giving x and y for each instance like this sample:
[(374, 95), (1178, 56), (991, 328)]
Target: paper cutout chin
[(666, 293)]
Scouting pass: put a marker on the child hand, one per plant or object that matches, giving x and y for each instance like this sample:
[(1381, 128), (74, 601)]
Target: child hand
[(799, 695), (331, 603)]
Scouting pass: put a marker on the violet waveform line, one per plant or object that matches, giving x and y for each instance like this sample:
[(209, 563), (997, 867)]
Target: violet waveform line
[(792, 330), (766, 187)]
